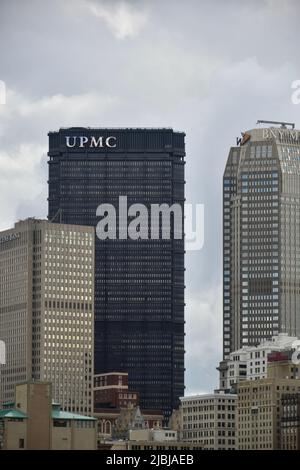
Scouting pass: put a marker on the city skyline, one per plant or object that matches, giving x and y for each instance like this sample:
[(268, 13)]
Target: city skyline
[(211, 88)]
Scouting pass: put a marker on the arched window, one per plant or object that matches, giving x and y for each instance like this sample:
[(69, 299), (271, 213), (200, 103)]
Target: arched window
[(108, 427)]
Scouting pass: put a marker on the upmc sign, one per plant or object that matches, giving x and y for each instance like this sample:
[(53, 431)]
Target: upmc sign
[(83, 141)]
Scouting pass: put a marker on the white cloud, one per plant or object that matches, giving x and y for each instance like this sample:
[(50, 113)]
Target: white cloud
[(34, 118), (278, 7), (19, 180), (122, 18), (58, 107), (25, 124)]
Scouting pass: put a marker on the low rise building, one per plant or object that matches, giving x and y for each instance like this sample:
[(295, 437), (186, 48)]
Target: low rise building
[(150, 445), (33, 422), (153, 439), (250, 362), (116, 408), (111, 391), (116, 423), (209, 420), (155, 435), (259, 405)]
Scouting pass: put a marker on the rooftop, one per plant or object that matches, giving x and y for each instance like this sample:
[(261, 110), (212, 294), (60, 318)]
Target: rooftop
[(65, 415), (216, 395), (10, 412)]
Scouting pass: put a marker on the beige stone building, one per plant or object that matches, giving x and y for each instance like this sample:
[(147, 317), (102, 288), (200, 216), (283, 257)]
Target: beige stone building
[(209, 420), (150, 445), (250, 362), (259, 406), (154, 439), (47, 310), (33, 422)]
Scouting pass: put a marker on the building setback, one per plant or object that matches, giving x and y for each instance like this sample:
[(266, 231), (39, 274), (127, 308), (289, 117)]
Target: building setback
[(261, 243), (139, 284), (47, 310)]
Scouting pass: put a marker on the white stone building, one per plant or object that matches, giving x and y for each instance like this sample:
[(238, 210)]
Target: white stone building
[(250, 362)]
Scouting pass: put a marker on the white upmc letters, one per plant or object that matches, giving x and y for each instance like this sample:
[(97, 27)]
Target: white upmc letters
[(68, 144), (83, 140), (108, 144), (94, 142)]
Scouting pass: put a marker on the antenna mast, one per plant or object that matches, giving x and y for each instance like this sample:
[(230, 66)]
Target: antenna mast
[(283, 125)]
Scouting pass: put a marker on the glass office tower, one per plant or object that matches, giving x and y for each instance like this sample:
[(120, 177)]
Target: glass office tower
[(139, 284), (261, 238)]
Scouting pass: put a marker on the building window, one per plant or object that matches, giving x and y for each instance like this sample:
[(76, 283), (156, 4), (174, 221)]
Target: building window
[(21, 443), (59, 423)]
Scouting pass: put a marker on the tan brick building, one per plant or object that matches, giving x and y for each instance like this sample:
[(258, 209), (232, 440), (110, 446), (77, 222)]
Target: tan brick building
[(259, 406), (209, 420), (33, 422)]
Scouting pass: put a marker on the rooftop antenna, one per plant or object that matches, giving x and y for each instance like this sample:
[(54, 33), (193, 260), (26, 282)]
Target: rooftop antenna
[(283, 125)]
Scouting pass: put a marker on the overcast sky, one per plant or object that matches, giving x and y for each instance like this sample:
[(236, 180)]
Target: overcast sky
[(209, 68)]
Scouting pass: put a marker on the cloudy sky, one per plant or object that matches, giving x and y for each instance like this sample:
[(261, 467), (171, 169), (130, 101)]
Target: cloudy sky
[(207, 67)]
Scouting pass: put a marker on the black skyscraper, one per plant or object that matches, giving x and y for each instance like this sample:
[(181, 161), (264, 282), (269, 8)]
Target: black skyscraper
[(139, 284)]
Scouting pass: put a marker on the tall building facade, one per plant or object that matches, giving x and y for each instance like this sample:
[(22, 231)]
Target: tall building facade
[(139, 284), (47, 310), (261, 239)]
